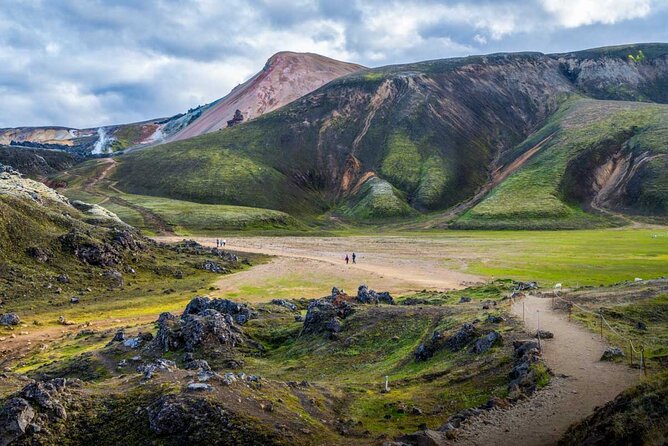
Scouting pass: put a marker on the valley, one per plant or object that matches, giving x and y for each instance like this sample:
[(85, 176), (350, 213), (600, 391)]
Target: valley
[(469, 250)]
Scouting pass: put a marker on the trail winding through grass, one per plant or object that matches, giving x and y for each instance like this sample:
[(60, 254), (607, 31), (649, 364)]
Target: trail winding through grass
[(581, 383)]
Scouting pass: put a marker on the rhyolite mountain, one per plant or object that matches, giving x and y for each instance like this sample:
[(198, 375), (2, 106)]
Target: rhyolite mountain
[(285, 77), (503, 140)]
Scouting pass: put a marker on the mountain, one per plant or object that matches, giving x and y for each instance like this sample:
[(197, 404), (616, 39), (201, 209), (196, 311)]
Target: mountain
[(467, 140), (285, 77)]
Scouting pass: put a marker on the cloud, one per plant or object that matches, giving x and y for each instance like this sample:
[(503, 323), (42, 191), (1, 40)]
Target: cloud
[(587, 12), (100, 62)]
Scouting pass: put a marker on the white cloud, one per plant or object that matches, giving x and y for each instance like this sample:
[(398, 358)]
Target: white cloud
[(85, 64), (586, 12)]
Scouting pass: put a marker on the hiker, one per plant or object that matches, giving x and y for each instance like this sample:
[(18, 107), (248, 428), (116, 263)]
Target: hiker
[(217, 243), (354, 257), (223, 242), (347, 259)]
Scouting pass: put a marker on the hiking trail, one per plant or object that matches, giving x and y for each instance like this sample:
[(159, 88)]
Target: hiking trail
[(581, 382)]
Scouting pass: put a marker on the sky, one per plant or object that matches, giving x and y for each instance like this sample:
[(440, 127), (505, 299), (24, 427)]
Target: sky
[(87, 63)]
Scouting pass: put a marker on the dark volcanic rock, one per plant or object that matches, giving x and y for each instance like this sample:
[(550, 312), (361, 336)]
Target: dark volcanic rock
[(523, 376), (368, 296), (611, 353), (40, 254), (464, 336), (88, 250), (486, 342), (241, 313), (10, 319), (114, 278), (207, 327), (213, 267), (284, 303), (190, 419), (237, 119), (323, 316), (16, 416)]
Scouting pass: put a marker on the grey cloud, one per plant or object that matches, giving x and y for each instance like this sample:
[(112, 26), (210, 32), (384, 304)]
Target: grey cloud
[(70, 62)]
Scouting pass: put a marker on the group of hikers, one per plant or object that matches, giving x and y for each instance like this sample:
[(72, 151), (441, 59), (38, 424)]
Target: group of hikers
[(220, 243), (354, 258)]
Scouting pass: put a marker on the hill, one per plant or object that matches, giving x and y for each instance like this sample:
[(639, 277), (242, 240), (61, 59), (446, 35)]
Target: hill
[(285, 77), (402, 140)]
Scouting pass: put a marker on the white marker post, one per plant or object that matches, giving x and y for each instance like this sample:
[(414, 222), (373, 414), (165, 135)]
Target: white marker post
[(387, 383), (538, 331)]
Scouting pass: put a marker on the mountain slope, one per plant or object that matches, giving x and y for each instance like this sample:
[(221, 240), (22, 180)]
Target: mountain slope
[(398, 140), (285, 77)]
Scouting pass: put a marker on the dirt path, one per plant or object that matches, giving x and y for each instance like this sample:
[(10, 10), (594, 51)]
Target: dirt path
[(581, 383), (309, 259)]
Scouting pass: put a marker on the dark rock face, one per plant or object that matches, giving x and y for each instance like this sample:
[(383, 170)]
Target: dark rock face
[(208, 327), (523, 376), (525, 286), (237, 119), (194, 420), (46, 395), (368, 296), (10, 319), (239, 312), (611, 353), (464, 299), (40, 254), (15, 418), (323, 316), (213, 267), (284, 303), (124, 239), (89, 251), (486, 342), (456, 342)]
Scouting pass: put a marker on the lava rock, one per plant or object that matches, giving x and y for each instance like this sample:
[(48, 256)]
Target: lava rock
[(611, 353), (284, 303), (16, 416), (486, 342), (10, 319), (543, 334), (368, 296)]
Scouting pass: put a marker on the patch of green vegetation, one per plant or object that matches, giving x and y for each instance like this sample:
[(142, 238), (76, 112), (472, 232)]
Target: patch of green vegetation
[(551, 189), (402, 163), (377, 199), (542, 374)]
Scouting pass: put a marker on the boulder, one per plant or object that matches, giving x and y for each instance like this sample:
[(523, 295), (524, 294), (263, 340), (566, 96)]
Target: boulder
[(284, 303), (494, 319), (63, 278), (213, 267), (425, 437), (10, 319), (40, 254), (207, 327), (464, 299), (113, 277), (15, 417), (486, 342), (463, 337), (523, 377), (241, 313), (368, 296), (46, 395), (543, 334), (323, 316), (611, 353), (199, 387), (198, 364)]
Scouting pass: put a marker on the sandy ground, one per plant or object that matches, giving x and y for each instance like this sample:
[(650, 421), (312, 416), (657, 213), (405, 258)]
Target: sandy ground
[(581, 383), (310, 267)]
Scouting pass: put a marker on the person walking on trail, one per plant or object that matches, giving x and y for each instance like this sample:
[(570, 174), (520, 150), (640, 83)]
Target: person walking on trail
[(347, 259), (354, 257), (217, 243), (224, 242)]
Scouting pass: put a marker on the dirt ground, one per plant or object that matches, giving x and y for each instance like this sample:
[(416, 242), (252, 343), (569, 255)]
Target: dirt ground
[(309, 267)]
